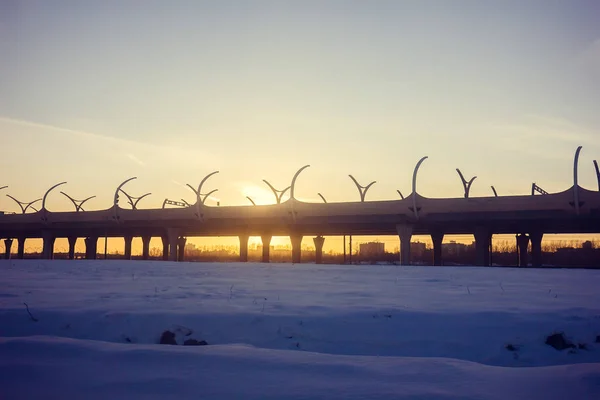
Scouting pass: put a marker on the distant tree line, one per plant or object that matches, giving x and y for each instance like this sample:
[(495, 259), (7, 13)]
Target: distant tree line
[(504, 253)]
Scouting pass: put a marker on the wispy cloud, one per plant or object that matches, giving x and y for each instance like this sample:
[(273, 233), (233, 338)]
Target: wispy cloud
[(64, 130), (179, 183), (544, 136), (176, 155), (133, 158)]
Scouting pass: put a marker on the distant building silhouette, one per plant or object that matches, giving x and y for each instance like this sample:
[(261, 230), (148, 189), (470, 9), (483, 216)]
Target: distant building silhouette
[(418, 248), (372, 249), (454, 249)]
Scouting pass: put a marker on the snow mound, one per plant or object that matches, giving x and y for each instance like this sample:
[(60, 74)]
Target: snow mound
[(61, 368)]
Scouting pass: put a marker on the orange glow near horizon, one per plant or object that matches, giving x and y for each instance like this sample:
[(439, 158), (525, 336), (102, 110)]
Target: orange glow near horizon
[(332, 243)]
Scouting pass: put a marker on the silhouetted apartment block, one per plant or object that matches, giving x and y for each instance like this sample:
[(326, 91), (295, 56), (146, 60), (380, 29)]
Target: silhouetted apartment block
[(454, 248), (372, 249), (417, 249)]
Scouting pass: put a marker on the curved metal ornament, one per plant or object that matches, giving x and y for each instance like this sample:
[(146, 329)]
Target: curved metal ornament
[(78, 207), (198, 192), (193, 189), (46, 194), (204, 180), (414, 186), (278, 193), (362, 190), (30, 204), (466, 184), (575, 184), (134, 204), (207, 195), (116, 198), (597, 174), (293, 185)]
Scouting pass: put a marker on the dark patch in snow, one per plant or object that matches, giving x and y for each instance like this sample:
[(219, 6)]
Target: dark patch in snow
[(30, 315), (559, 341), (511, 347), (598, 339), (582, 346), (167, 337)]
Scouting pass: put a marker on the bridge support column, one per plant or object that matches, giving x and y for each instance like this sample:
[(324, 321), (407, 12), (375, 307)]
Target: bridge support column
[(319, 241), (7, 246), (405, 234), (48, 246), (72, 242), (165, 249), (536, 248), (128, 240), (523, 243), (181, 248), (296, 248), (243, 248), (146, 247), (266, 247), (91, 247), (437, 238), (483, 238), (21, 248), (173, 235)]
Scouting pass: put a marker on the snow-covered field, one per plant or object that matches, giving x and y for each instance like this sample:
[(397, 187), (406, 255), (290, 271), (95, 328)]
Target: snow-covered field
[(304, 331)]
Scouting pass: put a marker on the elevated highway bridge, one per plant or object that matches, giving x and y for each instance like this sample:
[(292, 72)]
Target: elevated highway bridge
[(482, 217), (576, 211)]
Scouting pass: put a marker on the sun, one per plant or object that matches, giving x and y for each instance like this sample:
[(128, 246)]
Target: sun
[(260, 195)]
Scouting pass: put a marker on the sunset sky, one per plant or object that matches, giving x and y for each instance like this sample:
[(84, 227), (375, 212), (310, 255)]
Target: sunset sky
[(96, 92)]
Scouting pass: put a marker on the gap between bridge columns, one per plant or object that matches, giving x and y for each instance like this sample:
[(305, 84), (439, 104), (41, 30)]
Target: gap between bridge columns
[(91, 247), (21, 248), (146, 247), (483, 238), (7, 246), (319, 241), (523, 243), (536, 248), (437, 238), (266, 247), (181, 248), (296, 240), (72, 242), (128, 240), (243, 248), (165, 249), (48, 246), (405, 234)]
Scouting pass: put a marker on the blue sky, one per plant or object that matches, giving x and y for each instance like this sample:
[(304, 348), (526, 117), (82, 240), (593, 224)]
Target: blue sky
[(96, 92)]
